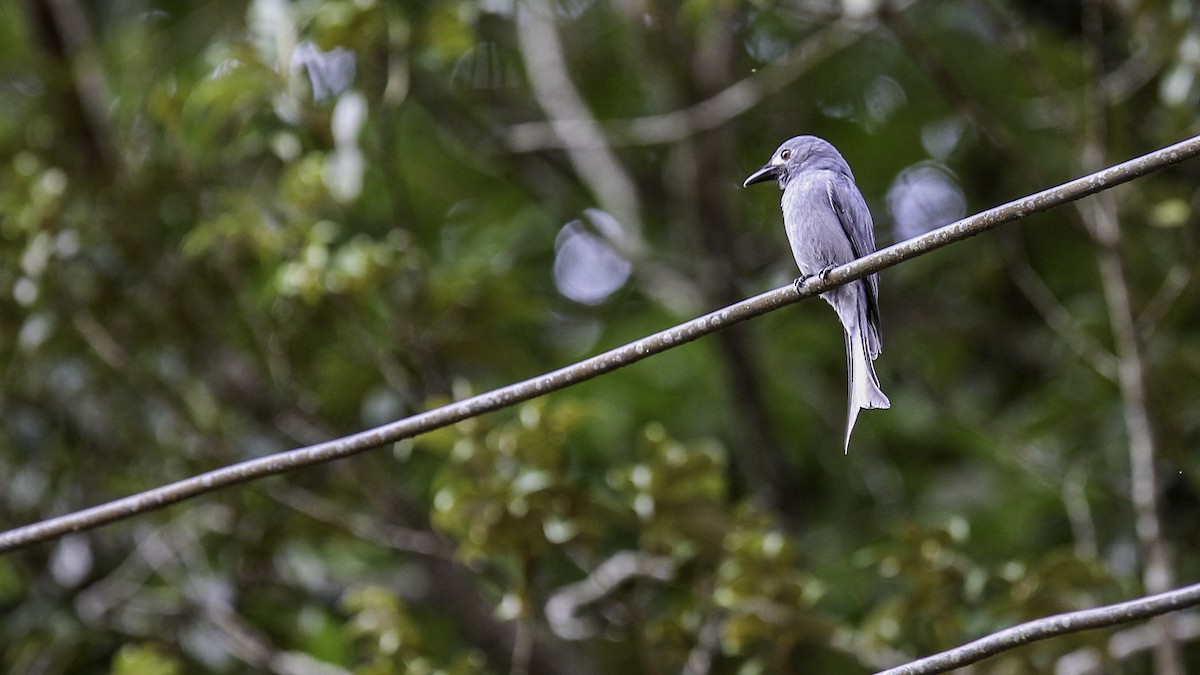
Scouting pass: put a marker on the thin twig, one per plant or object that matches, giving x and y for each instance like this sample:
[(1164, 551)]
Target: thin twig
[(1079, 513), (600, 364), (1173, 286), (1057, 317), (1052, 626), (969, 106), (404, 539)]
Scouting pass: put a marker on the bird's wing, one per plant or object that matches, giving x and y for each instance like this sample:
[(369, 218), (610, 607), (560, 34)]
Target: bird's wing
[(855, 217)]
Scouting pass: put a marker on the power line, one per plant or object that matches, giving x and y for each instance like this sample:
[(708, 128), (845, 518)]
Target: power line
[(595, 366)]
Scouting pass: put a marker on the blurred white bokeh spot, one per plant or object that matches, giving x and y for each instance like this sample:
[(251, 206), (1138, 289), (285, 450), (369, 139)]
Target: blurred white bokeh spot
[(71, 561), (346, 165), (330, 72), (586, 268), (883, 98), (941, 137), (923, 197)]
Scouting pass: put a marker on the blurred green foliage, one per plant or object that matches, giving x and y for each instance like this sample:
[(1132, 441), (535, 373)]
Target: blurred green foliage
[(144, 660), (390, 640), (229, 229)]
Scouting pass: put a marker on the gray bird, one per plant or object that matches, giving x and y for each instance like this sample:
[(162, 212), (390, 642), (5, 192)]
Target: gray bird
[(828, 224)]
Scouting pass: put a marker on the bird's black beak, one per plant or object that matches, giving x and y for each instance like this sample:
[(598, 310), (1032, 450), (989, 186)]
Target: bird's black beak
[(768, 172)]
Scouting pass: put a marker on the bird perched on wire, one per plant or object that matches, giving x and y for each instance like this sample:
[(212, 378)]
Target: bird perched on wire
[(828, 224)]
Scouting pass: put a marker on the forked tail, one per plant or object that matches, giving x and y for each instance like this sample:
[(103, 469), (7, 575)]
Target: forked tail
[(864, 391)]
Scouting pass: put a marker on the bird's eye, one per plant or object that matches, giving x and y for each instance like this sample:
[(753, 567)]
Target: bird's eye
[(785, 155)]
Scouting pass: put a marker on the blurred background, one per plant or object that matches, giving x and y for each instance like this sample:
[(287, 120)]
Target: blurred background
[(228, 229)]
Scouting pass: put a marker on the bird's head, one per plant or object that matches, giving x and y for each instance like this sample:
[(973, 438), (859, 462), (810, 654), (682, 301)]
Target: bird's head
[(796, 155)]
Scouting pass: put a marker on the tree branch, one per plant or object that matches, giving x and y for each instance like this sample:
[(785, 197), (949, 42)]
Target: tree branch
[(564, 607), (712, 112), (1051, 626), (595, 366), (545, 61), (587, 150), (1102, 219)]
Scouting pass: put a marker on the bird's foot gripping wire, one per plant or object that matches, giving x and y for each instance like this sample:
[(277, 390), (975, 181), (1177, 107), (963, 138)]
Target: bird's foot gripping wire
[(822, 274)]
